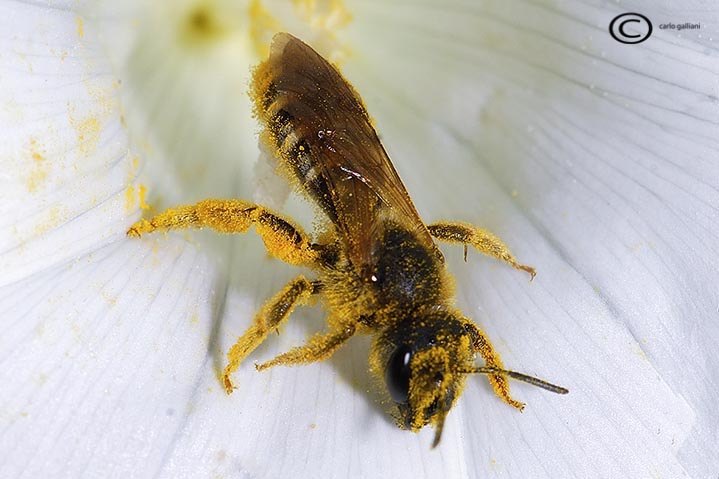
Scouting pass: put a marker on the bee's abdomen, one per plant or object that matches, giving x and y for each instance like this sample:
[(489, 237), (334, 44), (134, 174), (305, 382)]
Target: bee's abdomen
[(295, 132)]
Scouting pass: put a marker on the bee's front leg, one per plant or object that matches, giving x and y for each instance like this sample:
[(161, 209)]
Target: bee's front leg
[(483, 240), (499, 382), (269, 318), (282, 238), (320, 347)]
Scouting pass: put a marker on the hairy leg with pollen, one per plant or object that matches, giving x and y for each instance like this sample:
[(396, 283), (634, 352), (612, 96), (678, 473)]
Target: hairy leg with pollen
[(320, 347), (498, 381), (484, 241), (268, 319), (282, 239)]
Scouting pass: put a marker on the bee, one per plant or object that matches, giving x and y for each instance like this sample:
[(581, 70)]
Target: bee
[(378, 269)]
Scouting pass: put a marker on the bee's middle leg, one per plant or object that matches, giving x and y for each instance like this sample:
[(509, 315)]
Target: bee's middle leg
[(485, 242), (268, 319)]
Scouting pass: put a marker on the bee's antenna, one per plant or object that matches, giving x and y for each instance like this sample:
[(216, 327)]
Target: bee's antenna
[(518, 376)]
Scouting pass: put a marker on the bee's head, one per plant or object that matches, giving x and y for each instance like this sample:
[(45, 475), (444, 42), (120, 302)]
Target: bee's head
[(424, 363)]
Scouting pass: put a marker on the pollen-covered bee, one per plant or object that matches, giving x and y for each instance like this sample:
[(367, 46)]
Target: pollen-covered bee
[(378, 269)]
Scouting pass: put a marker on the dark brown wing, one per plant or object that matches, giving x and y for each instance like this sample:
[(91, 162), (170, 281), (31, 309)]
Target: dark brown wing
[(321, 130)]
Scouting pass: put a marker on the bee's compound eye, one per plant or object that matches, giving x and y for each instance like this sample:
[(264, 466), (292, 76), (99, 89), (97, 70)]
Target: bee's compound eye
[(397, 374)]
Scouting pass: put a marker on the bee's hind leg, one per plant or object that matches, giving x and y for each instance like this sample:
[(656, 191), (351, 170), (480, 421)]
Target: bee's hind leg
[(269, 318), (320, 347), (281, 237), (485, 241)]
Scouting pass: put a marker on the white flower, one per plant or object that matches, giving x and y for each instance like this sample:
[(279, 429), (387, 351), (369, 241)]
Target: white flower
[(596, 161)]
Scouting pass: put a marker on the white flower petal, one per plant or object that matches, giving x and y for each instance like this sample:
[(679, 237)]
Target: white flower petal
[(100, 374), (65, 153)]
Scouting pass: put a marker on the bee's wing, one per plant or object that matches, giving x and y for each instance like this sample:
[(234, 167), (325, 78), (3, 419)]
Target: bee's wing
[(322, 132)]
